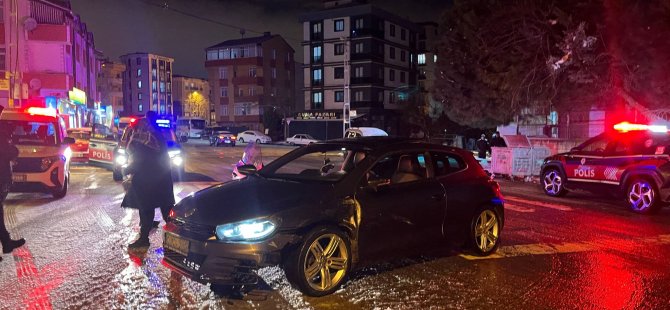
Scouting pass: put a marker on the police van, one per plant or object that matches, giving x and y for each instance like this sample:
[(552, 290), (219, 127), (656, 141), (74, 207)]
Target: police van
[(43, 164)]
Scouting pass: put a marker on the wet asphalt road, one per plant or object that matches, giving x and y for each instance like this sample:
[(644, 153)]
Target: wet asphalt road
[(577, 252)]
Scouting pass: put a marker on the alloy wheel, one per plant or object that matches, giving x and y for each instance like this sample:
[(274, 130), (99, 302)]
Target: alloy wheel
[(552, 183), (641, 195), (326, 262), (487, 230)]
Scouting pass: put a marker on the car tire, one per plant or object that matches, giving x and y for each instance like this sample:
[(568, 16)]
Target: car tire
[(61, 192), (642, 196), (241, 140), (258, 141), (116, 175), (484, 232), (291, 143), (553, 183), (336, 262)]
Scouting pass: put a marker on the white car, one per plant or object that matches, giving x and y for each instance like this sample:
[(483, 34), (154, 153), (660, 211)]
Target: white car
[(253, 136), (301, 139), (43, 164)]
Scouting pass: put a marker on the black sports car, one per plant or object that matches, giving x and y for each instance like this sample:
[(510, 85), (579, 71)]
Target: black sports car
[(325, 208)]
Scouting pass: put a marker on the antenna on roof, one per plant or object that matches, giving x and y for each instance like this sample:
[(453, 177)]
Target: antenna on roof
[(242, 32)]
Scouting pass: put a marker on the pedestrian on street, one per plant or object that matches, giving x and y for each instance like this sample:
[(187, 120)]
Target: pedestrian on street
[(497, 140), (8, 152), (151, 177), (482, 146)]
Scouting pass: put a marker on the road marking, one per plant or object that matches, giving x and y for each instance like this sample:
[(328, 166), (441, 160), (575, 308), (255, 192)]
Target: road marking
[(562, 248), (517, 208), (539, 203)]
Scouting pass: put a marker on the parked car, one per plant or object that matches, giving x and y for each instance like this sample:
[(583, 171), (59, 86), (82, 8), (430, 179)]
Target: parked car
[(632, 160), (222, 138), (356, 132), (81, 136), (301, 139), (253, 136), (325, 208)]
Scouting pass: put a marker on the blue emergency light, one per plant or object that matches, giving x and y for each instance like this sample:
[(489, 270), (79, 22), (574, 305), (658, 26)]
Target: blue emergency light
[(165, 123)]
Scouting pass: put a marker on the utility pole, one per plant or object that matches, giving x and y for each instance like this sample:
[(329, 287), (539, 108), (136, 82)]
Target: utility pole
[(346, 121)]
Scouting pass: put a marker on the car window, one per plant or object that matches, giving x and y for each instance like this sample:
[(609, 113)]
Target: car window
[(446, 163), (33, 133), (596, 145), (399, 168), (322, 165)]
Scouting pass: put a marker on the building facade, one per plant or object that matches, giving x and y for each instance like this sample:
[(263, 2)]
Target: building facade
[(110, 85), (191, 97), (249, 76), (47, 57), (427, 59), (381, 51), (147, 84)]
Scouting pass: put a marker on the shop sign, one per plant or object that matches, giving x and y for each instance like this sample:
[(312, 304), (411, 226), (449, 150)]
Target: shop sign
[(77, 95)]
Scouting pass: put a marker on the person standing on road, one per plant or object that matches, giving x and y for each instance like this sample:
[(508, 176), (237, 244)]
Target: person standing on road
[(482, 146), (8, 152), (151, 181)]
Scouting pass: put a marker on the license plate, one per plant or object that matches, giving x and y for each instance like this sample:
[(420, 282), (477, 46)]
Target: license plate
[(79, 155), (19, 177), (176, 244), (227, 141)]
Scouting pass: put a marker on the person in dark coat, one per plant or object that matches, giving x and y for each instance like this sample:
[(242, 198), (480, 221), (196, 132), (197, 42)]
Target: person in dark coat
[(497, 140), (482, 146), (151, 177), (8, 152)]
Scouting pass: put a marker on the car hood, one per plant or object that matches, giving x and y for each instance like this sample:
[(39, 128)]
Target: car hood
[(251, 197)]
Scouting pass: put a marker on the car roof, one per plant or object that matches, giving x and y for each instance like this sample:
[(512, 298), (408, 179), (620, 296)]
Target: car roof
[(390, 142), (12, 114)]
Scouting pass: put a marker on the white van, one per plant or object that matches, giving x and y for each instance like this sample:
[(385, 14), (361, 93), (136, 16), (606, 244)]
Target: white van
[(43, 164), (355, 132)]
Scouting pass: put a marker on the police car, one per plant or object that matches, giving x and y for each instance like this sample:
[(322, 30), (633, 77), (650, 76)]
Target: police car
[(121, 157), (632, 159), (43, 164)]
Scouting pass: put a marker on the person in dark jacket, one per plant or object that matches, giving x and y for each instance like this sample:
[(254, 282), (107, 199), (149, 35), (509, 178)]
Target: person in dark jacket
[(8, 152), (151, 177), (482, 146)]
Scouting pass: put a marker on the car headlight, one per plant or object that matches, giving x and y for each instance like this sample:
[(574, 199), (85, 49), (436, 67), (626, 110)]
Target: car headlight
[(48, 161), (177, 160), (174, 153), (245, 230), (121, 159)]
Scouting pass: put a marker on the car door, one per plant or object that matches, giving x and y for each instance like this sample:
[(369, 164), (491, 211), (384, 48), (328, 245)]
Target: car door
[(102, 145), (450, 170), (398, 214), (585, 164)]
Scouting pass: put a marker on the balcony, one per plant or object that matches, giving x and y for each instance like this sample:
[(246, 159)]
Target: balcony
[(367, 56), (257, 61), (254, 98), (366, 80), (248, 80), (366, 104), (367, 32)]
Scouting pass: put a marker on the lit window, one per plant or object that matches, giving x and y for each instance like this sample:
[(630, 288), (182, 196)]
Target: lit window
[(339, 25), (223, 73), (139, 72), (421, 59), (316, 53), (435, 58), (339, 96), (139, 107), (139, 96), (317, 76), (317, 100), (139, 84)]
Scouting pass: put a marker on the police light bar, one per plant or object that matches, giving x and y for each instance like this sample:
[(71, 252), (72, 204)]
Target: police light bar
[(163, 123), (42, 111), (626, 126)]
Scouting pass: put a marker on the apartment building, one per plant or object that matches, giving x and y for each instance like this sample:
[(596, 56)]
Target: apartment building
[(248, 76), (147, 84), (381, 49), (191, 97), (47, 57), (110, 85)]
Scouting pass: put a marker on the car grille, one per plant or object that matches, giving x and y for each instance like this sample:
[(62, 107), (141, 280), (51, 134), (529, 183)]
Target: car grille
[(199, 231), (28, 165)]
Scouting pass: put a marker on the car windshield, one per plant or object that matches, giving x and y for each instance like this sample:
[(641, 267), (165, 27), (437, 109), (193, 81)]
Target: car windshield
[(328, 163), (33, 133), (80, 135), (308, 137), (198, 123)]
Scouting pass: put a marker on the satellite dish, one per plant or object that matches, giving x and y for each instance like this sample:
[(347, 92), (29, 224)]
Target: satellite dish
[(29, 24), (35, 84)]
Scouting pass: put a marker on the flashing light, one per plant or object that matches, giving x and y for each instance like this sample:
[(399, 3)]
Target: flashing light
[(626, 127), (163, 123), (42, 111), (133, 120)]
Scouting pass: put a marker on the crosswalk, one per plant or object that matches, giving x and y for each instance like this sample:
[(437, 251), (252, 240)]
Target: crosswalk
[(521, 205)]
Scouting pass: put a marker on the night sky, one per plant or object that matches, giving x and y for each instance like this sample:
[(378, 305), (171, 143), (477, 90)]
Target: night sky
[(126, 26)]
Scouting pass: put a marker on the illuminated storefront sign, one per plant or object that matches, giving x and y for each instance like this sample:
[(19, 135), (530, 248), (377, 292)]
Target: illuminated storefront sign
[(78, 96)]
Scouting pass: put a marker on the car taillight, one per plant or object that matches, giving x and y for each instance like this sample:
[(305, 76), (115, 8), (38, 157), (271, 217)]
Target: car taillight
[(233, 138), (171, 215)]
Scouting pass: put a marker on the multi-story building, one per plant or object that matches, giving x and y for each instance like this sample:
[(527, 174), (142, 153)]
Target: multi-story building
[(191, 97), (147, 84), (248, 76), (110, 85), (47, 57), (427, 58), (381, 50)]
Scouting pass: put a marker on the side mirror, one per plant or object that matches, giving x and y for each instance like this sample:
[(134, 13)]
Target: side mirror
[(247, 170), (574, 149), (68, 140)]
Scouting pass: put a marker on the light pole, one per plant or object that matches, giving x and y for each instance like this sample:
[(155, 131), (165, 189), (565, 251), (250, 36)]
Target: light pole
[(346, 121)]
